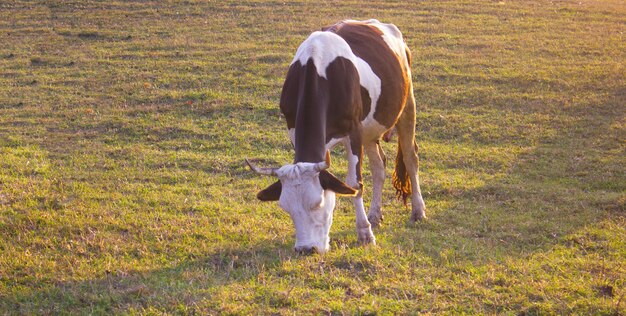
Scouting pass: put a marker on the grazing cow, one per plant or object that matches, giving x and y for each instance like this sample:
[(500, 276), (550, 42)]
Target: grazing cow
[(349, 84)]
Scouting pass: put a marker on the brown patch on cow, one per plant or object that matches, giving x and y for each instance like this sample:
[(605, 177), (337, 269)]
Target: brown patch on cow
[(356, 147), (367, 43), (289, 94), (367, 103)]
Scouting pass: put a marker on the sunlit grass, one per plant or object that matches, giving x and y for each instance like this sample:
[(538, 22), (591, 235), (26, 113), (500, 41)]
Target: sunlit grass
[(123, 128)]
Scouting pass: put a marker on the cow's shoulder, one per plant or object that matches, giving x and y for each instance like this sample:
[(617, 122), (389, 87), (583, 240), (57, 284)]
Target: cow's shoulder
[(323, 48)]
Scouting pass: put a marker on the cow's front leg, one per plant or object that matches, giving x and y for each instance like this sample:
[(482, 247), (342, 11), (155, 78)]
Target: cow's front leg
[(377, 166), (354, 153)]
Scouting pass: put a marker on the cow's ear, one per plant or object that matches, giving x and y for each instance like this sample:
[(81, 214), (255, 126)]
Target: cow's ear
[(330, 182), (271, 193)]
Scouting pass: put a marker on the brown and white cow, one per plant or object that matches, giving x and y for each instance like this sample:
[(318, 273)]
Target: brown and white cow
[(349, 84)]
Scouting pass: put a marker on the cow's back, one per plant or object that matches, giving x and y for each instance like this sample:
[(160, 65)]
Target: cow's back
[(382, 48)]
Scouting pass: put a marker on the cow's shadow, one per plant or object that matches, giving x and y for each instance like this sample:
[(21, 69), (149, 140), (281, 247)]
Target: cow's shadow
[(182, 282)]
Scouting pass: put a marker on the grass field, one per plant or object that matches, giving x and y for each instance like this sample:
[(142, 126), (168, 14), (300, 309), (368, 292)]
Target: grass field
[(124, 125)]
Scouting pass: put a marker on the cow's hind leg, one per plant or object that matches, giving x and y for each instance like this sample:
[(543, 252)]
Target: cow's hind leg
[(354, 153), (376, 159), (407, 155)]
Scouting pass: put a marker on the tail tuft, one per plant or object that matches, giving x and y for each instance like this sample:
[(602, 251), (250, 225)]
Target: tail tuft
[(400, 178)]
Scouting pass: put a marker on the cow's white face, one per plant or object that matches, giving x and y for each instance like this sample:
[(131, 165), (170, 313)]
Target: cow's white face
[(309, 205), (307, 192)]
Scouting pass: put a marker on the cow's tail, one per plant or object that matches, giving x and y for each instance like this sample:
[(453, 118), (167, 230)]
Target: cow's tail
[(400, 177)]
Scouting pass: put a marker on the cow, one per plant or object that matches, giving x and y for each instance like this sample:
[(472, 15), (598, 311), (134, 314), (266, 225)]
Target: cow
[(349, 84)]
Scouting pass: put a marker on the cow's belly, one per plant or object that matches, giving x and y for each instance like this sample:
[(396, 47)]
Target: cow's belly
[(372, 130)]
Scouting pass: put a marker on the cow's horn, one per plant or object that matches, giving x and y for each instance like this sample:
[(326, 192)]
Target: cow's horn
[(324, 164), (263, 171)]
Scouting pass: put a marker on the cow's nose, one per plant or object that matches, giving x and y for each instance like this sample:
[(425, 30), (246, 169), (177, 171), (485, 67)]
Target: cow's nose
[(306, 250)]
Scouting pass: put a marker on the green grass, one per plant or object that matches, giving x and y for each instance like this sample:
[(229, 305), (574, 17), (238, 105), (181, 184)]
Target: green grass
[(123, 128)]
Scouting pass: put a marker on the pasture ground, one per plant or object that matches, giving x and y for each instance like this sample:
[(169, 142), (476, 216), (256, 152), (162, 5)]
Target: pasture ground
[(123, 128)]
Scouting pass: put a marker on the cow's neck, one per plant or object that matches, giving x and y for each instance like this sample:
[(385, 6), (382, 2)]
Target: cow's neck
[(311, 118), (310, 137)]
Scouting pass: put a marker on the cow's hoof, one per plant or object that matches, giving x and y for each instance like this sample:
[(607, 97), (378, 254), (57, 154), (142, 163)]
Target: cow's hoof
[(418, 215), (306, 250), (366, 236), (375, 219)]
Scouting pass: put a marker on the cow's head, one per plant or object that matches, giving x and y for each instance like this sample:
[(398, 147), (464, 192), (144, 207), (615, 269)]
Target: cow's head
[(307, 192)]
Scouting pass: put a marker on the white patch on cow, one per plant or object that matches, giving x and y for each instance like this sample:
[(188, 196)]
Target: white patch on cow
[(371, 83), (377, 168), (309, 205), (323, 48), (393, 38)]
